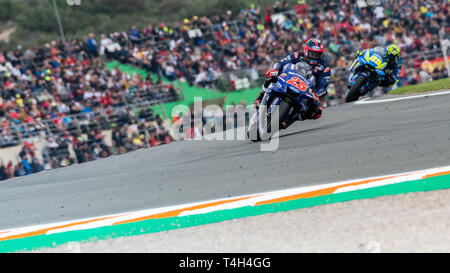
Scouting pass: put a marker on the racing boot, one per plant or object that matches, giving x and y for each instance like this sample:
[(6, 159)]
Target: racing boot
[(293, 117), (314, 112)]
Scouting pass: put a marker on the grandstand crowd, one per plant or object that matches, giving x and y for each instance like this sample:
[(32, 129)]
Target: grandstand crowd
[(200, 50), (69, 86)]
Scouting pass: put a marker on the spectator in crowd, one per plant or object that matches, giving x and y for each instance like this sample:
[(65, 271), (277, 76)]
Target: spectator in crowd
[(92, 45), (28, 164), (3, 172)]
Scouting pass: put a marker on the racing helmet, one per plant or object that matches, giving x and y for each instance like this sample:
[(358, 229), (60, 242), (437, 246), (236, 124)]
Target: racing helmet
[(393, 53), (313, 51)]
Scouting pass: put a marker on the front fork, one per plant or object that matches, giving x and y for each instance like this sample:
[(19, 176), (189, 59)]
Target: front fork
[(351, 77)]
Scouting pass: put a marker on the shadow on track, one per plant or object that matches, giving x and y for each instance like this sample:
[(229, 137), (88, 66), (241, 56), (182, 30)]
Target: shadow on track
[(324, 127)]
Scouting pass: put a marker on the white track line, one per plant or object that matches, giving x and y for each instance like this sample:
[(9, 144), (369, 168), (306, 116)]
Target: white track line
[(369, 101), (251, 200)]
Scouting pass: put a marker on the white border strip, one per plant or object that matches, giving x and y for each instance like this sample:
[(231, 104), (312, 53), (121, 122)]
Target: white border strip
[(371, 101), (250, 200)]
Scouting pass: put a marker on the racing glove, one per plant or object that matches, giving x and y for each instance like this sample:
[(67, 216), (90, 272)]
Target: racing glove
[(272, 73), (271, 76)]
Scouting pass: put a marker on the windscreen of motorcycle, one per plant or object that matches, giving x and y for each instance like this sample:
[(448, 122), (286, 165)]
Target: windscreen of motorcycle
[(304, 69)]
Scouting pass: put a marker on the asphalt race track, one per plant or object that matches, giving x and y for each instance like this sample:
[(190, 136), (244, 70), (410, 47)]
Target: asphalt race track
[(350, 141)]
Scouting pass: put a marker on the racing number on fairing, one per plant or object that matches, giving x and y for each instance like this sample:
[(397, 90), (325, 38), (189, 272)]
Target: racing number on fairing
[(375, 59), (298, 83)]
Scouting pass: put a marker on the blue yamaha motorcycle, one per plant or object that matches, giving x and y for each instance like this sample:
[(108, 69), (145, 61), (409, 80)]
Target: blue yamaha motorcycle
[(366, 72), (289, 93)]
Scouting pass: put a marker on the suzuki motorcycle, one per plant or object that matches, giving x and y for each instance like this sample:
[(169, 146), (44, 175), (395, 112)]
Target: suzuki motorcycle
[(288, 95), (366, 72)]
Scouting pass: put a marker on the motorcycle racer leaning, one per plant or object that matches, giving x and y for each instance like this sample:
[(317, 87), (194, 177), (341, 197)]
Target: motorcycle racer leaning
[(393, 68), (312, 55)]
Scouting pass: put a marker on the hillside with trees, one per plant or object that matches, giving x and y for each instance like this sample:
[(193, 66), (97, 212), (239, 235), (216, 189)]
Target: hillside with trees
[(34, 22)]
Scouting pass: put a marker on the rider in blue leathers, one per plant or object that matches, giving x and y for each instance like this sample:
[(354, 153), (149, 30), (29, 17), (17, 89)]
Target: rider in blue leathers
[(394, 64), (313, 55)]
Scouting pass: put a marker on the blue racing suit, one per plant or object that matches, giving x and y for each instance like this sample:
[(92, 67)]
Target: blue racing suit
[(322, 75), (392, 69), (321, 72)]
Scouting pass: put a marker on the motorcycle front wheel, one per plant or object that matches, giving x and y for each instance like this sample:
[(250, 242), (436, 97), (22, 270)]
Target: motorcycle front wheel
[(355, 91), (281, 111), (252, 131)]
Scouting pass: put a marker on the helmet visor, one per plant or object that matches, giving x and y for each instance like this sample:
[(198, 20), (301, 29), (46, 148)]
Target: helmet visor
[(314, 55), (393, 59)]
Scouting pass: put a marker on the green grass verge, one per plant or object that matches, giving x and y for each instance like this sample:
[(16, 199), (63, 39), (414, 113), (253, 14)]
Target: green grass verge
[(189, 92), (422, 87)]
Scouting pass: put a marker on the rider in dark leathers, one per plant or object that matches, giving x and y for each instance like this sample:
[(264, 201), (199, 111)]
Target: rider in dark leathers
[(313, 55)]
